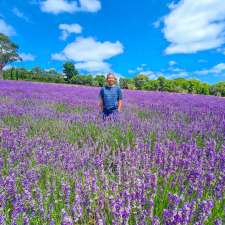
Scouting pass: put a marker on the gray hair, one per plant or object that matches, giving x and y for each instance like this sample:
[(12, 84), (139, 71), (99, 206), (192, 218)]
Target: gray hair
[(110, 74)]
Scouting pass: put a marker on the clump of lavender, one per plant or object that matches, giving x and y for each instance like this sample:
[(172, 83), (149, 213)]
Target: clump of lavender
[(160, 162)]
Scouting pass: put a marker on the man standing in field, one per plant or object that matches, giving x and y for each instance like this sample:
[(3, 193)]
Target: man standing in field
[(110, 97)]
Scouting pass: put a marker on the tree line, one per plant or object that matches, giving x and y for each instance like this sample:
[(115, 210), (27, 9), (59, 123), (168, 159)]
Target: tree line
[(8, 54), (139, 82)]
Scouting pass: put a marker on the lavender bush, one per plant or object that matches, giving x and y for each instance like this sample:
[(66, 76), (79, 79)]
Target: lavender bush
[(160, 161)]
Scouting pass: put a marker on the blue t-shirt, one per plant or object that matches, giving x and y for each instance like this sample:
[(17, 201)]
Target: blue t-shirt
[(110, 96)]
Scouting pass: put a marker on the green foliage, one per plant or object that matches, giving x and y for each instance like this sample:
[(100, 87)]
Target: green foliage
[(35, 74), (140, 81), (126, 83), (99, 80), (151, 85), (8, 52), (70, 71), (218, 89), (82, 80)]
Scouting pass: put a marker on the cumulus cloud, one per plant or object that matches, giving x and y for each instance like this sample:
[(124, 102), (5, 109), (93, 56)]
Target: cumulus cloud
[(27, 57), (94, 66), (88, 49), (131, 71), (90, 5), (169, 73), (7, 67), (90, 54), (215, 70), (180, 74), (221, 50), (172, 63), (140, 68), (58, 56), (65, 6), (193, 26), (67, 29), (6, 28), (151, 74), (58, 6)]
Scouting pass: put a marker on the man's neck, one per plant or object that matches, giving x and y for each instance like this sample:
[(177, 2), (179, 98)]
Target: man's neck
[(110, 85)]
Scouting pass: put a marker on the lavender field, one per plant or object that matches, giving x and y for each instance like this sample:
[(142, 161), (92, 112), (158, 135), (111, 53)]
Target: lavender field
[(161, 161)]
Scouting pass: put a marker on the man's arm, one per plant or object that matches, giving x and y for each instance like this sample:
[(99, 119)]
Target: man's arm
[(100, 103), (120, 97), (120, 105)]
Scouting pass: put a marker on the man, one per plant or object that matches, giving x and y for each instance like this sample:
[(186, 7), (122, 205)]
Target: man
[(110, 97)]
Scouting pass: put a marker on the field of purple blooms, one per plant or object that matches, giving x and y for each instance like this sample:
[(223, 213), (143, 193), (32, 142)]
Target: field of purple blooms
[(160, 161)]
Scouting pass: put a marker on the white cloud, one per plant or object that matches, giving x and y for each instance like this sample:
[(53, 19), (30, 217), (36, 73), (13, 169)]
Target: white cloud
[(90, 5), (157, 23), (58, 6), (58, 56), (94, 66), (6, 29), (67, 29), (90, 54), (221, 50), (139, 68), (178, 75), (88, 49), (7, 67), (193, 26), (151, 74), (65, 6), (27, 57), (175, 69), (172, 63), (19, 14), (131, 71), (172, 5), (216, 70), (118, 75)]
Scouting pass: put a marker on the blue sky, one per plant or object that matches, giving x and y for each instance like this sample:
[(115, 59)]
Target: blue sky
[(183, 38)]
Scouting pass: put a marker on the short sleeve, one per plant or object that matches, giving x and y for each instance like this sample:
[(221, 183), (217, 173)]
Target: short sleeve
[(101, 93), (120, 96)]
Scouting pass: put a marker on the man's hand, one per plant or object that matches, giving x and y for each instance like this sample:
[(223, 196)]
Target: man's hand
[(120, 105), (100, 104)]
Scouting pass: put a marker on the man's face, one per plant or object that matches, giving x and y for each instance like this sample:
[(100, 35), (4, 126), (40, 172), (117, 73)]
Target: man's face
[(110, 80)]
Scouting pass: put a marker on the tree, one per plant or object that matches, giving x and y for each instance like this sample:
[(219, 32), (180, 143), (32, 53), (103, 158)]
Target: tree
[(140, 80), (83, 80), (193, 86), (51, 72), (180, 85), (218, 89), (100, 80), (70, 71), (151, 85), (37, 73), (162, 83), (204, 89), (8, 53), (89, 80), (124, 82)]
